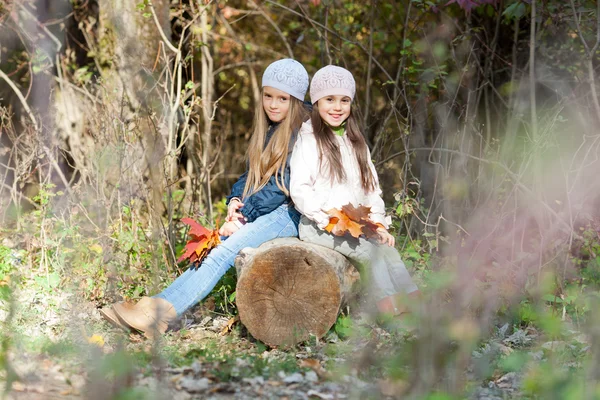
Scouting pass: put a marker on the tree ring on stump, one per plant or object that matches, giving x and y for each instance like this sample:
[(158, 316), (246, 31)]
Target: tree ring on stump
[(288, 293)]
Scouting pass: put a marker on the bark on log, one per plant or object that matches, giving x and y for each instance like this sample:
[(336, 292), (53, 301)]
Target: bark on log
[(288, 290)]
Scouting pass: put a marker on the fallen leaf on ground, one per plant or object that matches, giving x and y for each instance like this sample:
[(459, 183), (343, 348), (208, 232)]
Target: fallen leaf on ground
[(316, 366), (96, 339), (227, 328), (202, 241)]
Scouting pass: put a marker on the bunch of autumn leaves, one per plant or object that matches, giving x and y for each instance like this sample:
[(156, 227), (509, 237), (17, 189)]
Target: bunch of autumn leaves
[(349, 220)]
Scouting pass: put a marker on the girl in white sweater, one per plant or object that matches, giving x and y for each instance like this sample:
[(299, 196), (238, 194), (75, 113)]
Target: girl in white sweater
[(331, 167)]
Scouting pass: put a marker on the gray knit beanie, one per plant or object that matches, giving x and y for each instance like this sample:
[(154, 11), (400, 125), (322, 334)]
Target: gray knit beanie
[(287, 75), (330, 81)]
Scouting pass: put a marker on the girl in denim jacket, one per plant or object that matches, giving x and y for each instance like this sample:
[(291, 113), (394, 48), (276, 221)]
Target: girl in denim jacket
[(259, 207), (331, 167)]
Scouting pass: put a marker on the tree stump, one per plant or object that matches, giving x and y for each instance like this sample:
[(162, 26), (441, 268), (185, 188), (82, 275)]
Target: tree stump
[(288, 290)]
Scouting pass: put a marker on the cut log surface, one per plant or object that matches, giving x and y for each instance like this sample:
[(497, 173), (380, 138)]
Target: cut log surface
[(288, 290)]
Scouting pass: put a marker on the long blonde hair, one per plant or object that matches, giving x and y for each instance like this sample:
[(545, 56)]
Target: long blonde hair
[(266, 161)]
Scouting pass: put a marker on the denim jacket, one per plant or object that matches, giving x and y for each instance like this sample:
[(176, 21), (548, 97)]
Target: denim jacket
[(270, 196)]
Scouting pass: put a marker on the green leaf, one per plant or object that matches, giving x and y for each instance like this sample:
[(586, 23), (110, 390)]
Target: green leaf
[(50, 281), (126, 241), (343, 326), (552, 298), (515, 10)]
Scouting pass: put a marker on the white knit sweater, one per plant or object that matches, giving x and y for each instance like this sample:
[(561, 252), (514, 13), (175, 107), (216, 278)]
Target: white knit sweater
[(314, 194)]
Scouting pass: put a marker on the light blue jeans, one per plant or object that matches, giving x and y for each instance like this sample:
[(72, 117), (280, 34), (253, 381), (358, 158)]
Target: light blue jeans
[(386, 273), (195, 284)]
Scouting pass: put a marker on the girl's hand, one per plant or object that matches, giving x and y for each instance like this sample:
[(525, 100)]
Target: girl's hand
[(232, 210), (228, 229), (385, 237)]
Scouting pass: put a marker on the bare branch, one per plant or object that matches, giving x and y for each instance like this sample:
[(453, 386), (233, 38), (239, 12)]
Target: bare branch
[(21, 98), (274, 25), (166, 41), (313, 22)]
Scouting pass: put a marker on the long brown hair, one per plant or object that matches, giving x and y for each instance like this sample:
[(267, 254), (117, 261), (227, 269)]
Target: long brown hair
[(266, 161), (329, 150)]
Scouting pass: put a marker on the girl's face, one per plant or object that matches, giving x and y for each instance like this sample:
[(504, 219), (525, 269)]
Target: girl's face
[(276, 103), (334, 110)]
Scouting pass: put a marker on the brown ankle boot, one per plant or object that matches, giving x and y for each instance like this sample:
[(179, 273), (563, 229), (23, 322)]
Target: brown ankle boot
[(109, 314), (150, 315)]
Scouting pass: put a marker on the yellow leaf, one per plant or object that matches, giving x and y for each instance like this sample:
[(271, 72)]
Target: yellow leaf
[(227, 328), (96, 248), (5, 281), (96, 339)]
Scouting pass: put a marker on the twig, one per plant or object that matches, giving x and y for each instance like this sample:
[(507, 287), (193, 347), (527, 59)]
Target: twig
[(590, 53), (235, 65), (57, 169), (325, 37), (313, 22), (369, 67), (274, 25), (77, 88), (398, 91), (160, 30), (534, 130), (46, 31), (212, 117), (251, 72), (21, 98), (26, 198)]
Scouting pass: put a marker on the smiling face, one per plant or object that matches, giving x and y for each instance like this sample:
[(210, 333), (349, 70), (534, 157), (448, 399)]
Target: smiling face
[(276, 103), (335, 109)]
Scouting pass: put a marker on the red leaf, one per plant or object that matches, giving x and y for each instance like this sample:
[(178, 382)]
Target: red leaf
[(196, 228), (201, 243)]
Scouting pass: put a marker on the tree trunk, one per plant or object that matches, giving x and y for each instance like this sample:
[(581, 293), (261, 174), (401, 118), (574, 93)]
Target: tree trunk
[(288, 290), (135, 40)]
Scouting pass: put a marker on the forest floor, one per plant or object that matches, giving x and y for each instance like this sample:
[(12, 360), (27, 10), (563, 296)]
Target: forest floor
[(55, 344), (60, 347)]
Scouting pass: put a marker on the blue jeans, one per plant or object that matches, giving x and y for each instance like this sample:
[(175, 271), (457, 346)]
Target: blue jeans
[(195, 284)]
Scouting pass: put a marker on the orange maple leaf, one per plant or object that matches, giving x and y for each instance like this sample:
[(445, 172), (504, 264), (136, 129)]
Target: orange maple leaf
[(201, 243), (340, 223), (356, 213), (352, 220)]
